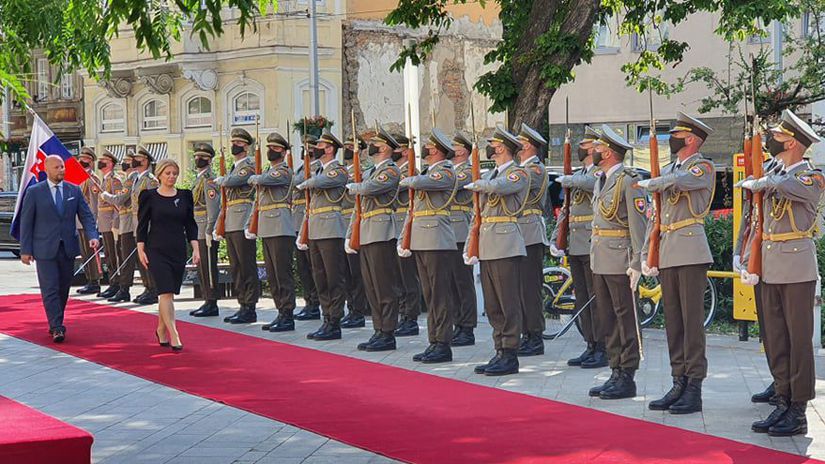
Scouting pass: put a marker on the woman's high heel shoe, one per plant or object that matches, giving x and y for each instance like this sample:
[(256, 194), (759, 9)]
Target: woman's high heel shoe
[(158, 339), (177, 347)]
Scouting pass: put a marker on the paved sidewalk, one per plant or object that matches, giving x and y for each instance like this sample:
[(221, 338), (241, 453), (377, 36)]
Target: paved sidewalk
[(135, 420)]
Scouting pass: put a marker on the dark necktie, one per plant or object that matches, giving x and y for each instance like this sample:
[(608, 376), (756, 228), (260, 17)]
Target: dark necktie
[(58, 199), (318, 171), (495, 174), (602, 180), (678, 166)]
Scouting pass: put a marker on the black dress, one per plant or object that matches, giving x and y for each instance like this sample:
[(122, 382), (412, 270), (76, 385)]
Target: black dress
[(166, 225)]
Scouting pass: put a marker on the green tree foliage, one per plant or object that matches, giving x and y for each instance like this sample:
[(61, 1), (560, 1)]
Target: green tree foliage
[(75, 34)]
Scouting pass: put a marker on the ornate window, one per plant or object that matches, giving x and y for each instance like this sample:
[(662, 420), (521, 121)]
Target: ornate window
[(112, 118), (199, 112), (245, 108), (155, 114)]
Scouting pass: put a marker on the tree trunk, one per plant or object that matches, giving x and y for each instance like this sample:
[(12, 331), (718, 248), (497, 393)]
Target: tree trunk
[(531, 103)]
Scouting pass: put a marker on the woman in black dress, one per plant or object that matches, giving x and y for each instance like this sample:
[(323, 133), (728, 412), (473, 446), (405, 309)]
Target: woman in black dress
[(166, 220)]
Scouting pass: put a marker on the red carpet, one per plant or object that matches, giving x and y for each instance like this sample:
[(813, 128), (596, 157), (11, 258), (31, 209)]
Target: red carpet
[(402, 414), (31, 437)]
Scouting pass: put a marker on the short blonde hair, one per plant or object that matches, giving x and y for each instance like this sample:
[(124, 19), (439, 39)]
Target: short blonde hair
[(163, 164)]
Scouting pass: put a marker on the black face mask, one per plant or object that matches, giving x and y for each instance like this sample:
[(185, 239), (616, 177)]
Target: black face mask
[(348, 154), (396, 155), (317, 152), (373, 150), (101, 165), (775, 147), (85, 164), (273, 155), (597, 158), (583, 152), (137, 163), (201, 163), (125, 165), (676, 144), (490, 151), (237, 149)]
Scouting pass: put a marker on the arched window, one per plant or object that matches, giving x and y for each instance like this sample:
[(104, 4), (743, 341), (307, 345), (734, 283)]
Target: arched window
[(198, 112), (111, 118), (245, 108), (155, 113)]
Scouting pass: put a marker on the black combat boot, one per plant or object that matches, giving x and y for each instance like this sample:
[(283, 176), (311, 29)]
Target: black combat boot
[(597, 359), (363, 346), (793, 422), (672, 396), (247, 316), (531, 345), (122, 295), (210, 309), (482, 368), (285, 323), (407, 328), (463, 336), (353, 320), (418, 357), (577, 361), (329, 331), (764, 396), (691, 399), (440, 353), (595, 391), (235, 316), (624, 387), (384, 342), (773, 418), (109, 292), (266, 327), (506, 364), (322, 329), (309, 313)]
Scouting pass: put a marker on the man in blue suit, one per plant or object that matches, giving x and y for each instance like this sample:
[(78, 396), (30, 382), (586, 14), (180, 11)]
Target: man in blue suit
[(48, 235)]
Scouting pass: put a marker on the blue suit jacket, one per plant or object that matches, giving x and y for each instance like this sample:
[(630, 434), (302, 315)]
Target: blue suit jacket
[(42, 228)]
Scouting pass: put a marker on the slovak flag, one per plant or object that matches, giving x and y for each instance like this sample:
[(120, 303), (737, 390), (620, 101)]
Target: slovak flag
[(43, 143)]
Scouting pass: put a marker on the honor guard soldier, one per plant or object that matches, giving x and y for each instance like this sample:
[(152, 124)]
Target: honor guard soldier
[(461, 213), (501, 248), (619, 224), (107, 219), (687, 187), (122, 199), (91, 190), (410, 306), (581, 185), (789, 272), (357, 306), (533, 228), (312, 308), (146, 180), (207, 197), (433, 244), (379, 266), (326, 235), (277, 231), (240, 246)]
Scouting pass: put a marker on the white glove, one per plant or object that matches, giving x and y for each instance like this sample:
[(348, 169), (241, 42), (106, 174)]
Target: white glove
[(254, 180), (405, 182), (352, 187), (472, 186), (737, 262), (470, 261), (635, 276), (249, 235), (106, 195), (748, 278), (219, 180), (403, 253), (648, 271), (739, 184), (303, 185), (645, 184), (216, 237), (555, 252), (301, 246), (565, 181), (748, 184), (347, 248)]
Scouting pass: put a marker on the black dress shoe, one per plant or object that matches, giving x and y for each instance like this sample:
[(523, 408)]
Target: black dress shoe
[(691, 399), (58, 335), (577, 361), (141, 296), (329, 331), (506, 364), (363, 346), (407, 328), (533, 345), (235, 316), (597, 359), (309, 313), (352, 321), (109, 292), (147, 298), (210, 309), (323, 328), (482, 368), (122, 295), (614, 376), (89, 289), (246, 317), (439, 354), (283, 324), (385, 342), (266, 327), (463, 337), (775, 416), (623, 388), (792, 423), (672, 396), (764, 396), (418, 357), (192, 313)]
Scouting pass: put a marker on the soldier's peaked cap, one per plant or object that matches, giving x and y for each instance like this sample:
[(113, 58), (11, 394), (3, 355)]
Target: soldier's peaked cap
[(590, 135), (328, 137), (509, 140), (461, 139), (107, 154), (277, 140), (240, 135), (88, 151), (440, 141), (795, 127), (613, 140), (142, 151), (382, 136), (528, 134), (686, 123), (204, 149), (361, 144)]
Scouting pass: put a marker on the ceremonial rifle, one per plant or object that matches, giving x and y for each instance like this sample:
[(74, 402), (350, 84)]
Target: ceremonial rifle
[(564, 225), (655, 231), (748, 164), (289, 162), (755, 259), (220, 225), (407, 239), (253, 222), (475, 227), (355, 238), (304, 239)]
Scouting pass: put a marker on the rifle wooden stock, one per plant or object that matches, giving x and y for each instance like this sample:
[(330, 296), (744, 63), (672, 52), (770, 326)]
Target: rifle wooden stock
[(220, 225), (355, 238), (475, 227), (755, 259), (304, 238), (407, 240), (748, 200), (564, 225), (654, 238), (253, 221)]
